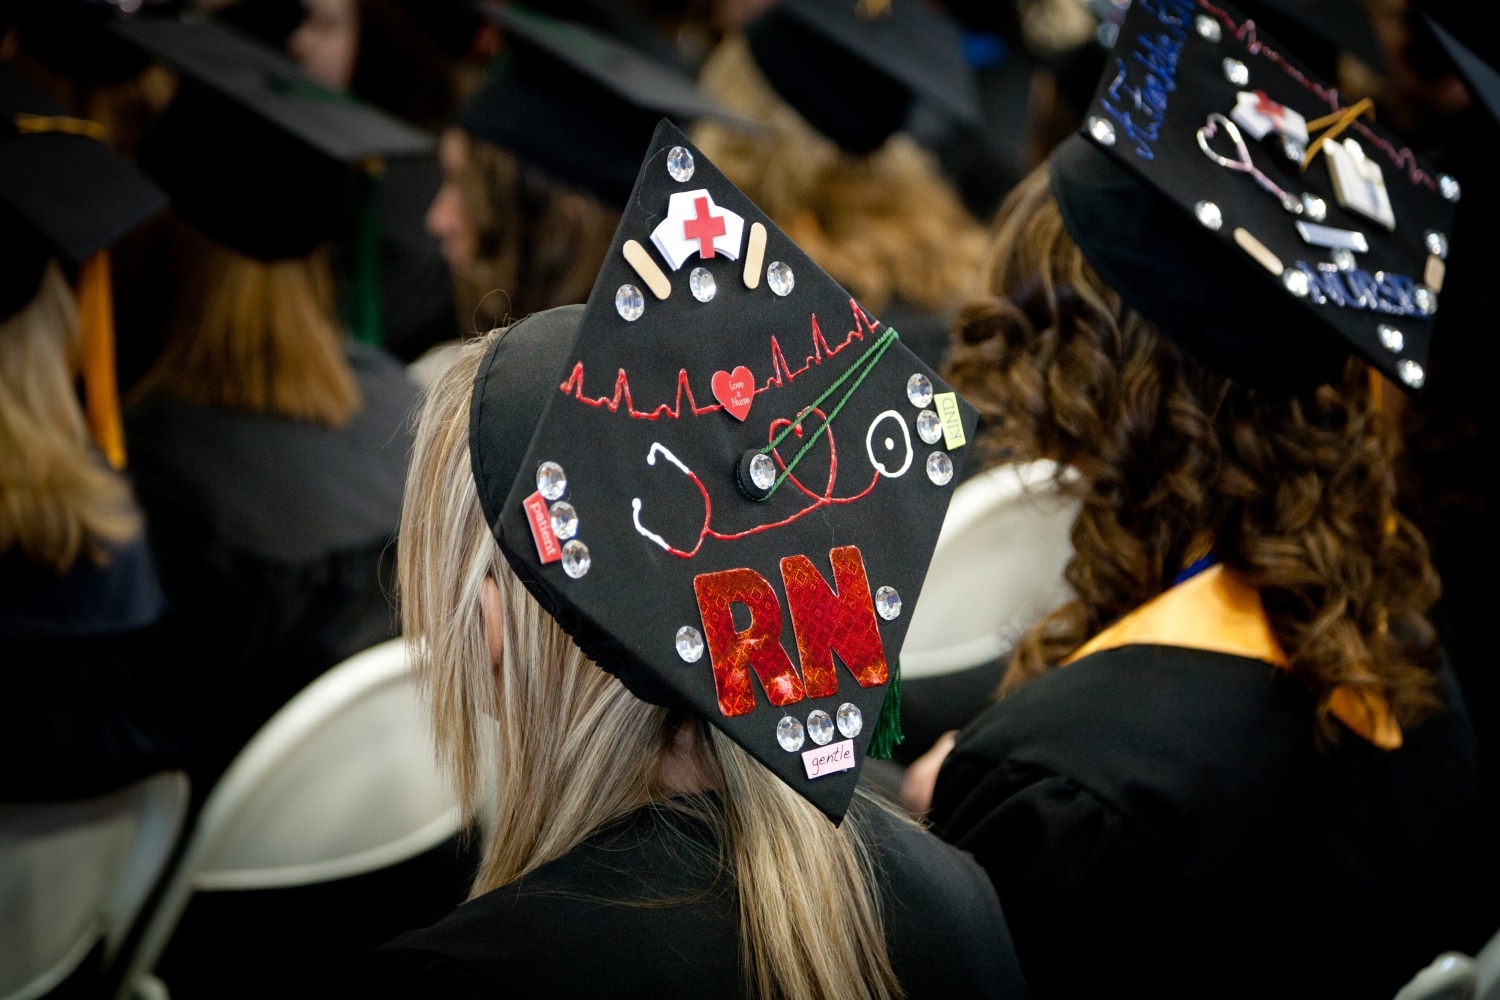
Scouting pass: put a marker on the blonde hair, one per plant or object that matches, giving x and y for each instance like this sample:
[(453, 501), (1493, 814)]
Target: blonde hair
[(568, 748), (537, 241), (882, 225), (58, 500), (249, 335)]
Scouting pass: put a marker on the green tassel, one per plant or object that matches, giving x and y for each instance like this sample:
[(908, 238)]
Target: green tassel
[(362, 310), (888, 732)]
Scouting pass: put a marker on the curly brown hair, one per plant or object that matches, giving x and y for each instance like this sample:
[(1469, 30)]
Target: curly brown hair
[(1295, 495)]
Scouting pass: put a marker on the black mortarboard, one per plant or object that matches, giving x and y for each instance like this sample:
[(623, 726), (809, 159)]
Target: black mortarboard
[(254, 153), (63, 193), (851, 67), (1338, 24), (665, 403), (577, 104), (1187, 196), (73, 36)]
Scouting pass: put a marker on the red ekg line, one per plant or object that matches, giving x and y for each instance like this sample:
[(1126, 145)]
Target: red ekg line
[(1403, 158), (781, 373)]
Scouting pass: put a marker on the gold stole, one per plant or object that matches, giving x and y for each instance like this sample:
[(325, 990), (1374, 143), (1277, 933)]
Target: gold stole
[(1214, 610)]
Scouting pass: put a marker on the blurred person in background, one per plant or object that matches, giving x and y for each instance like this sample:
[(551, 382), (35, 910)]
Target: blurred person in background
[(270, 447), (832, 84), (539, 163), (391, 54), (79, 596)]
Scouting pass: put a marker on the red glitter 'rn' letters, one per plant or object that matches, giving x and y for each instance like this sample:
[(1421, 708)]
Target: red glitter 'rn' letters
[(824, 621)]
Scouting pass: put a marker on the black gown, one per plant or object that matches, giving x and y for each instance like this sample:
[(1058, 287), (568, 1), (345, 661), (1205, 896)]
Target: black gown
[(275, 540), (638, 910), (81, 679), (1162, 821)]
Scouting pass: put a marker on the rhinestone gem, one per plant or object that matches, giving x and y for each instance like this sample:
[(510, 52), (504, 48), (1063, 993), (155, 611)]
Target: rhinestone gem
[(939, 468), (919, 390), (1208, 29), (575, 558), (779, 277), (1313, 207), (1448, 185), (689, 644), (762, 471), (888, 603), (1208, 213), (1236, 72), (1426, 300), (1437, 244), (1390, 338), (819, 726), (850, 720), (629, 303), (680, 164), (1292, 150), (1296, 282), (789, 734), (1343, 258), (564, 520), (929, 427), (701, 284), (551, 481), (1102, 130), (1411, 373)]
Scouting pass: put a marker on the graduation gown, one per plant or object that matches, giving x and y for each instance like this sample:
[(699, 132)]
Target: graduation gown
[(1163, 819), (576, 927), (275, 540), (81, 679)]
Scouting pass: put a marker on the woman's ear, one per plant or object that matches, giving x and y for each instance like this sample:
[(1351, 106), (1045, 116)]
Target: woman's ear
[(492, 610)]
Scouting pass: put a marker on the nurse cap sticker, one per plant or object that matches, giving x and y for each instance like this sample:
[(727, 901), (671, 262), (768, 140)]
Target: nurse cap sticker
[(749, 563)]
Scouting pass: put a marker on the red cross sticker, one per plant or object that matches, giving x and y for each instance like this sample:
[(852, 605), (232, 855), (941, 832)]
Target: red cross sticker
[(703, 227), (1272, 110)]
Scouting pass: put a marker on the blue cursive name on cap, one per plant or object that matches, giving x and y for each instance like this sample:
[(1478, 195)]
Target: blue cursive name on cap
[(1383, 292), (1137, 97)]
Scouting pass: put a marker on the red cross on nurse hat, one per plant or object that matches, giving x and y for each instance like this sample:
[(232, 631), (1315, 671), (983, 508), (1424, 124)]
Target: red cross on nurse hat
[(723, 476)]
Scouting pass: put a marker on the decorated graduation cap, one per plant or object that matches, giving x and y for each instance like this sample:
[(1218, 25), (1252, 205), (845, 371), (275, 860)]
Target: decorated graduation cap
[(578, 104), (255, 153), (64, 195), (852, 67), (736, 481), (1243, 206)]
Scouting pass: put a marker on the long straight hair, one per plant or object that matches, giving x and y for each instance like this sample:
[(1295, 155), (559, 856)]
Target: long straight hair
[(250, 335), (58, 499), (556, 748)]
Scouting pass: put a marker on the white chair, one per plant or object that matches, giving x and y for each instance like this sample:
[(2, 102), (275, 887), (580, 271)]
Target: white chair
[(997, 569), (1454, 976), (341, 782), (73, 877)]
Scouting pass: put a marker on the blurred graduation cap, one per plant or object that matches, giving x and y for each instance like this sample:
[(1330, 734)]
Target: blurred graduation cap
[(1474, 21), (723, 420), (578, 104), (852, 67), (1231, 198), (64, 195), (73, 38), (254, 153)]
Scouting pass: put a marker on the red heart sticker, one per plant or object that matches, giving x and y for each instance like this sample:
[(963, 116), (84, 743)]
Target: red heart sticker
[(735, 391)]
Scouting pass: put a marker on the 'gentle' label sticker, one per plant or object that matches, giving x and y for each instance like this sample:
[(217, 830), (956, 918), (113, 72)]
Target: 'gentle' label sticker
[(830, 759), (953, 421)]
